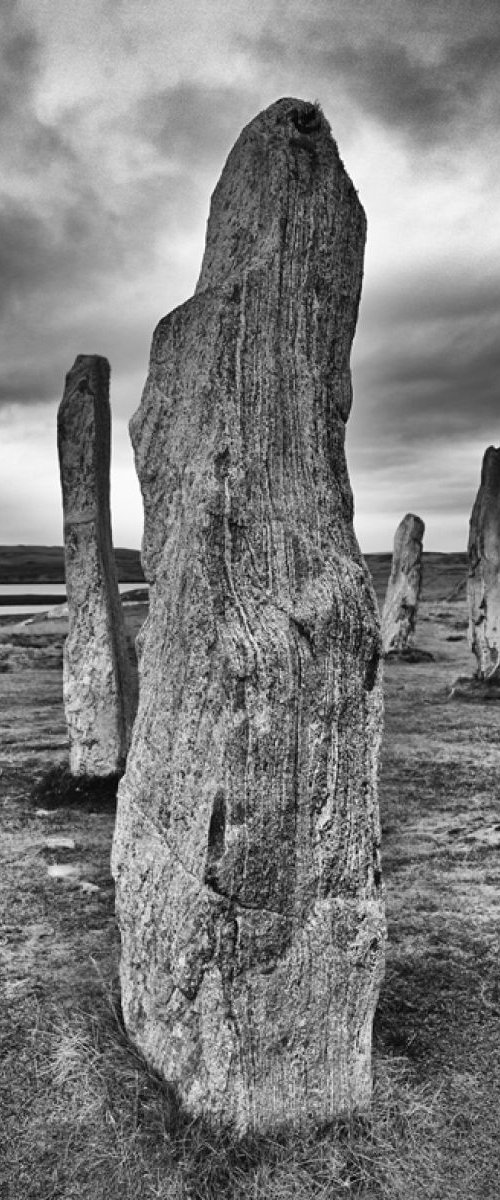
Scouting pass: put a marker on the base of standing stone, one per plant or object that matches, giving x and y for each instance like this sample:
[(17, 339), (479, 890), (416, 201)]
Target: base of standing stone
[(212, 1040), (476, 691)]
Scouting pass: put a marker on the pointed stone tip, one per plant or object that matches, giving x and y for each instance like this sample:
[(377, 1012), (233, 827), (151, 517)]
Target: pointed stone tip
[(90, 361), (292, 124), (86, 370), (490, 470), (306, 116), (411, 526), (285, 159)]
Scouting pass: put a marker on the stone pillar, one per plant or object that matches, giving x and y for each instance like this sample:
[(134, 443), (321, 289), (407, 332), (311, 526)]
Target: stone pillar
[(403, 589), (483, 582), (98, 685), (246, 850)]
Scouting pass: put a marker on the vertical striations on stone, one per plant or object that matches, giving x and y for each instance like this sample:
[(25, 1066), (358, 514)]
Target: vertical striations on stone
[(403, 589), (246, 849), (483, 582), (98, 684)]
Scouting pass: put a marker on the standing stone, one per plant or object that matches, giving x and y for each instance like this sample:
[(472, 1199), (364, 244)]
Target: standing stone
[(483, 583), (246, 850), (98, 685), (404, 586)]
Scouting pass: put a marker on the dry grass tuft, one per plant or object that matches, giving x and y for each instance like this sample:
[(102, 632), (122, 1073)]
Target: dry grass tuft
[(109, 1128)]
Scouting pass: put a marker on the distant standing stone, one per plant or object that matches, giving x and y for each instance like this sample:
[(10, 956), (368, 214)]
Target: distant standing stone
[(483, 583), (404, 586), (98, 686), (246, 849)]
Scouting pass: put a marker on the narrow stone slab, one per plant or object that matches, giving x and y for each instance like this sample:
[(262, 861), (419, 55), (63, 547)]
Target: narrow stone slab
[(246, 850), (403, 589), (98, 685), (483, 581)]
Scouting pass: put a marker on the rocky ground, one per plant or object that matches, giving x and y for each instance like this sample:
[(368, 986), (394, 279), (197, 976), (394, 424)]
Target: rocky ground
[(81, 1115)]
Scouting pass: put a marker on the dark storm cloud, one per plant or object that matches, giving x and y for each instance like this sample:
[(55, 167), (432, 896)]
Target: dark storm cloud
[(24, 254), (436, 331), (194, 124), (19, 52), (31, 386), (63, 232), (19, 43), (374, 58), (438, 293), (75, 238), (44, 254), (44, 147), (426, 373), (442, 393), (451, 497), (422, 415), (387, 82), (33, 251), (428, 101), (18, 56), (52, 226)]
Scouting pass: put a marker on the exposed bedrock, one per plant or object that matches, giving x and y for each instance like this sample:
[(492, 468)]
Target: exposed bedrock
[(246, 850), (404, 586), (483, 582), (98, 685)]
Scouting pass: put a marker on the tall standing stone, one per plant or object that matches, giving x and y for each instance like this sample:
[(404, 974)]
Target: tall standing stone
[(246, 850), (404, 586), (98, 686), (483, 582)]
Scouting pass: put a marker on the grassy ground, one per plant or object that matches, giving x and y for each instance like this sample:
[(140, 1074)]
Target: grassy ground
[(81, 1116)]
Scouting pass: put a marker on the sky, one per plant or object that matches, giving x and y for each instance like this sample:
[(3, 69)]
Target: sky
[(116, 117)]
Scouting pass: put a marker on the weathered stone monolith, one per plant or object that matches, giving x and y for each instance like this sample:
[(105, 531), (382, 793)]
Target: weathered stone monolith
[(483, 582), (98, 685), (403, 589), (246, 850)]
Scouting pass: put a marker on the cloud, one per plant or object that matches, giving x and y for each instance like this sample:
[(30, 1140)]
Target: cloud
[(195, 124), (442, 290), (426, 366), (116, 120), (100, 229), (389, 84), (24, 254), (427, 72), (19, 56), (30, 386), (18, 61), (432, 102), (433, 365), (402, 442)]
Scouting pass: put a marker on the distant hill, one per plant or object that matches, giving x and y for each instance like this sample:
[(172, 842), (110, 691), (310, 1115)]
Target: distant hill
[(443, 573), (45, 564)]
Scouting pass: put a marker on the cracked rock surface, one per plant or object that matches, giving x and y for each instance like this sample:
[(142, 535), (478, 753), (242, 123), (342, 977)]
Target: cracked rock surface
[(403, 589), (483, 581), (98, 685), (246, 848)]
